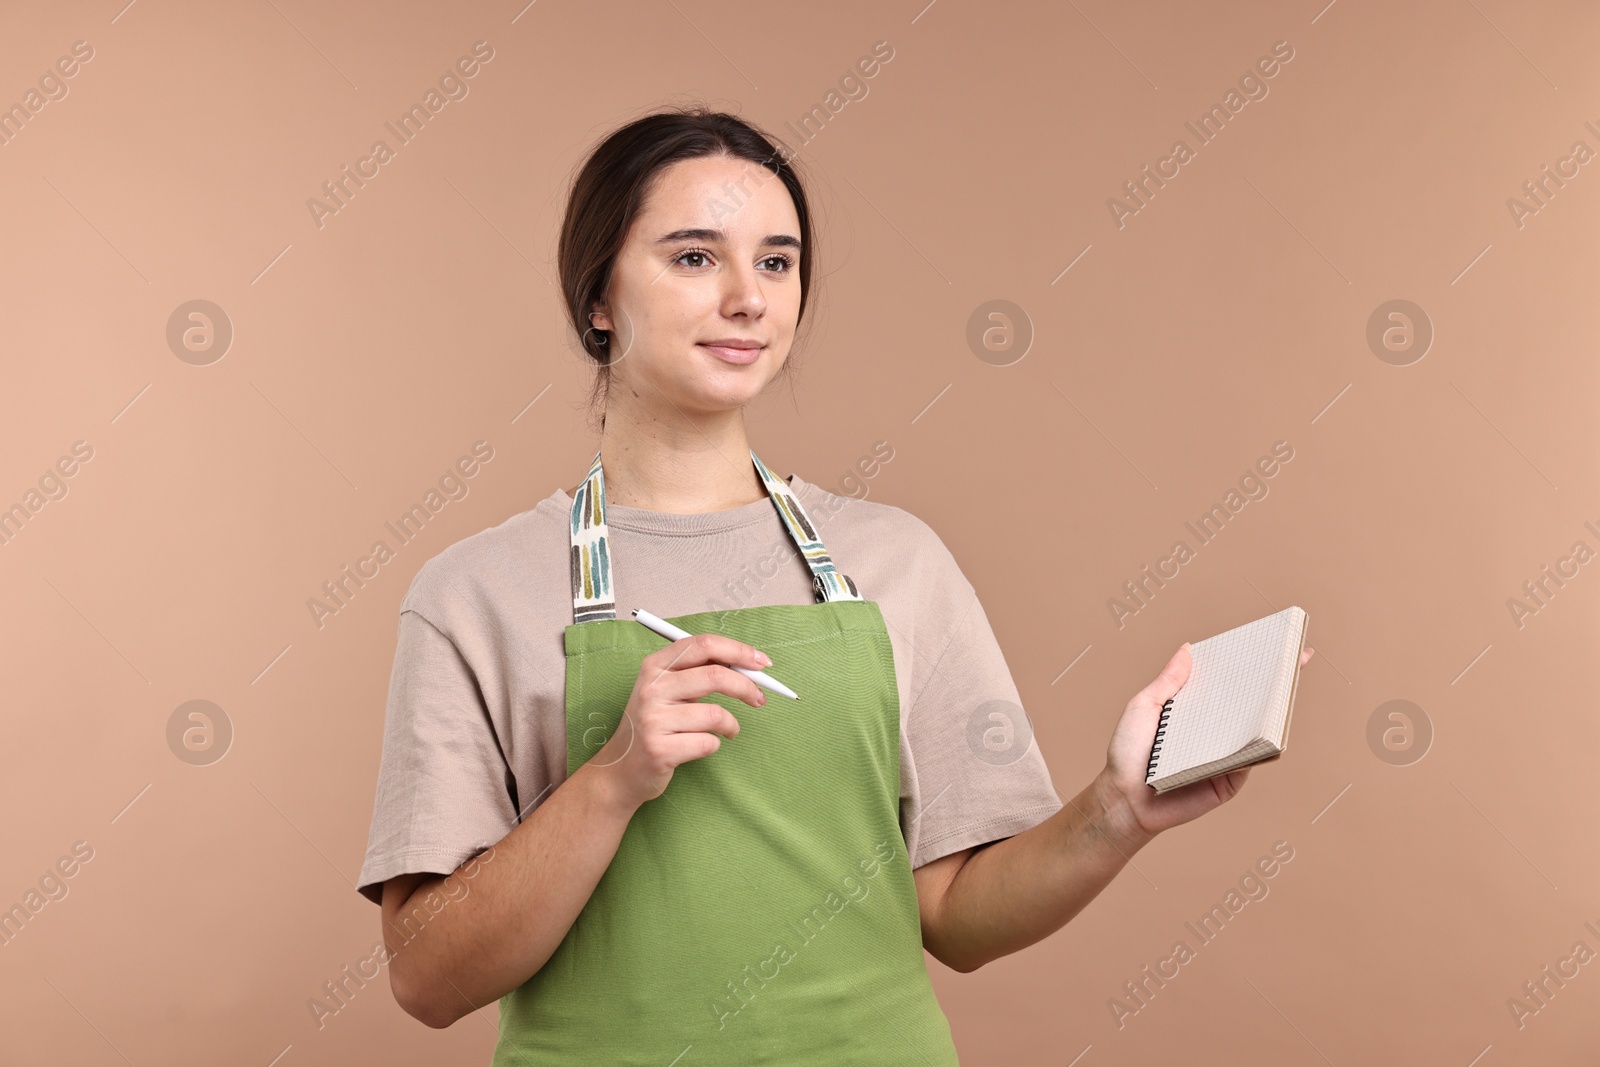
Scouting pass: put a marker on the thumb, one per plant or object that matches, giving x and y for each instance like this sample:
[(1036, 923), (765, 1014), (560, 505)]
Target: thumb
[(1171, 678)]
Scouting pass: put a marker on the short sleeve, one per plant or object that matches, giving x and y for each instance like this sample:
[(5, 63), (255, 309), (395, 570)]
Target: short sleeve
[(978, 774), (443, 791)]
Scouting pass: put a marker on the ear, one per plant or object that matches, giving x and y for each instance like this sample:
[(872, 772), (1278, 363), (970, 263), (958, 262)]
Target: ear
[(600, 318)]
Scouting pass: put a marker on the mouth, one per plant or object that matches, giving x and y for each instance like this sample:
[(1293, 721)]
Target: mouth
[(731, 350)]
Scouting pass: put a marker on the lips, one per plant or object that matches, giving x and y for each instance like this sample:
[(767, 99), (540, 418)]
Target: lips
[(733, 350)]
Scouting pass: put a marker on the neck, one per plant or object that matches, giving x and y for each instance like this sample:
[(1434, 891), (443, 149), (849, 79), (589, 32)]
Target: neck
[(677, 463)]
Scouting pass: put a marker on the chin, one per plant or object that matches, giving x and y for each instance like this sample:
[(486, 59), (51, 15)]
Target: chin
[(714, 400)]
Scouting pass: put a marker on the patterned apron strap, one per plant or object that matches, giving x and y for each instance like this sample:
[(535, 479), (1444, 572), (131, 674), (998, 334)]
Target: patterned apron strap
[(592, 597), (827, 581), (591, 556)]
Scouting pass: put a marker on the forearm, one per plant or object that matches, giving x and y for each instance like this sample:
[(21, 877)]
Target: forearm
[(496, 930), (1015, 892)]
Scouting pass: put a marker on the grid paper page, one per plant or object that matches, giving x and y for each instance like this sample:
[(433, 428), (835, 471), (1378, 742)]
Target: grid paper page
[(1225, 703)]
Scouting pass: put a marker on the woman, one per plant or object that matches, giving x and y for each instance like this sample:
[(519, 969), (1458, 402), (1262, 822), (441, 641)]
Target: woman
[(685, 868)]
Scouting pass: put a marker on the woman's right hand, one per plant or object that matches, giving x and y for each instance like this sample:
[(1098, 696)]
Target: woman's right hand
[(665, 722)]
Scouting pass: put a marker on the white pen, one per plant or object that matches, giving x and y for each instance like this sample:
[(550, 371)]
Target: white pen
[(674, 633)]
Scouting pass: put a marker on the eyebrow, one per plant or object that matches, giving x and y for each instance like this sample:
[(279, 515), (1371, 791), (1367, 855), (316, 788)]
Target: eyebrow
[(781, 239)]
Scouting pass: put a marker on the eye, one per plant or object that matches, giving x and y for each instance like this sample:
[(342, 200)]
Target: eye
[(699, 257)]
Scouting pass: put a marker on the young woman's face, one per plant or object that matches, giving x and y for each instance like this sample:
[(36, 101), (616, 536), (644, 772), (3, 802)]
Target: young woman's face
[(705, 294)]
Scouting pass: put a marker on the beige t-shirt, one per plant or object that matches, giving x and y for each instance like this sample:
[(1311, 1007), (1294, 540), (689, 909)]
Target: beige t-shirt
[(475, 730)]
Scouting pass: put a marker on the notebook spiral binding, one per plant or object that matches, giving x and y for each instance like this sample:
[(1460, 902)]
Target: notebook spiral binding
[(1155, 749)]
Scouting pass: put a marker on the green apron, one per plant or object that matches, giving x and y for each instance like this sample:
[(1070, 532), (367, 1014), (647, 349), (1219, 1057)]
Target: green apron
[(761, 910)]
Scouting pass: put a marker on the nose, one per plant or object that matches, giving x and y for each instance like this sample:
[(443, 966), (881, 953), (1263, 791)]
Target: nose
[(742, 293)]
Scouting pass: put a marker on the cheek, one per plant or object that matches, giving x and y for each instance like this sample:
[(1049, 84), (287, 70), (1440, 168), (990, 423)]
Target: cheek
[(678, 322), (783, 306), (676, 310), (659, 335)]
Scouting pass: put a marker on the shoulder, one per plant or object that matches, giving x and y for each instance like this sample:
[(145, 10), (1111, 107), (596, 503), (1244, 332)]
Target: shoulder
[(861, 529), (526, 551), (852, 514)]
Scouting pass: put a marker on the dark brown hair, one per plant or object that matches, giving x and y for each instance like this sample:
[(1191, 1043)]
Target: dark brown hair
[(610, 190)]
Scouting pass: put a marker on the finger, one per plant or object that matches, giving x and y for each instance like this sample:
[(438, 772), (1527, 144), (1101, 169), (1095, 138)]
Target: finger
[(700, 718), (678, 749), (692, 684), (1170, 680), (719, 721), (1305, 657), (699, 649)]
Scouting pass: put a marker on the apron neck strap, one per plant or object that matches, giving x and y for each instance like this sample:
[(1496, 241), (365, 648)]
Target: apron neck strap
[(592, 597)]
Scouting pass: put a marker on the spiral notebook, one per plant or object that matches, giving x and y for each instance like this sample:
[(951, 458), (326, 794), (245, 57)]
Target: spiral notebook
[(1234, 708)]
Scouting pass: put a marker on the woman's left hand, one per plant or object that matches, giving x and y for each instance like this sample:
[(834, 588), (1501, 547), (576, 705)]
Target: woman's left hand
[(1136, 811)]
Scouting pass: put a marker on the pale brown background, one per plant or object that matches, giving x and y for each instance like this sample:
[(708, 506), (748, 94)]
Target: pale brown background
[(1227, 315)]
